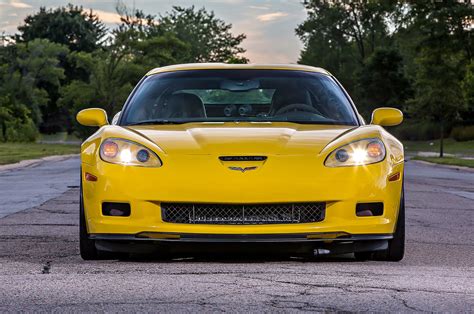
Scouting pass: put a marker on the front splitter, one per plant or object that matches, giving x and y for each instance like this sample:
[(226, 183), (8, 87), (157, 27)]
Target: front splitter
[(206, 238)]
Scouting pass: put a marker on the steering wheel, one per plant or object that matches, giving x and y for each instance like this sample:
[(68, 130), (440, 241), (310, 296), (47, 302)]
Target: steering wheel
[(296, 107)]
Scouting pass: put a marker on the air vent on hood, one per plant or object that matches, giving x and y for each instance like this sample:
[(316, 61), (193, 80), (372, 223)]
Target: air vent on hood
[(243, 158)]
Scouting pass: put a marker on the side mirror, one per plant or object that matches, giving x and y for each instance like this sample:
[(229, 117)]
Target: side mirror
[(386, 116), (92, 117)]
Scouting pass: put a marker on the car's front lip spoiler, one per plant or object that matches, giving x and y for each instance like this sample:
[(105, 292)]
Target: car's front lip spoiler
[(240, 238)]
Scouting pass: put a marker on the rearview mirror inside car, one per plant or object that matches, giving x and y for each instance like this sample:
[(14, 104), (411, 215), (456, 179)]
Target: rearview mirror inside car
[(92, 117), (387, 116), (239, 86)]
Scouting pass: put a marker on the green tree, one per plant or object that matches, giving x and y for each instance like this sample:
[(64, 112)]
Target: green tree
[(331, 51), (468, 91), (107, 86), (340, 35), (152, 41), (444, 24), (445, 48), (157, 51), (71, 25), (30, 69), (364, 23), (382, 81), (210, 39), (144, 48), (438, 94), (75, 28)]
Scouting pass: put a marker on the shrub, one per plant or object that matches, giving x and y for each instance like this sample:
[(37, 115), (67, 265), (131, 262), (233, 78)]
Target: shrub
[(463, 133), (416, 131), (16, 131)]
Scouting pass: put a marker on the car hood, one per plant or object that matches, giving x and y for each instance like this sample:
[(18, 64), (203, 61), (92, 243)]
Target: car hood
[(233, 138)]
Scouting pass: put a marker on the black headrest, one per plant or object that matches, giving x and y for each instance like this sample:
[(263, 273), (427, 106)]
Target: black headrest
[(184, 105), (285, 97)]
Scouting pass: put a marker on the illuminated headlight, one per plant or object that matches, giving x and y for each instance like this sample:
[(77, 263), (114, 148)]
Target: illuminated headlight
[(124, 152), (362, 152)]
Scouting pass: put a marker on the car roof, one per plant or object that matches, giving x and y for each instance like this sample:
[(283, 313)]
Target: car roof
[(224, 66)]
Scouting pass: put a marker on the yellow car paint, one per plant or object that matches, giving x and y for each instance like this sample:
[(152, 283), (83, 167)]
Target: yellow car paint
[(92, 117), (192, 172), (224, 66), (387, 116)]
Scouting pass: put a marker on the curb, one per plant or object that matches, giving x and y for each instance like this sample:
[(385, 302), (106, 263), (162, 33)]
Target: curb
[(30, 162), (459, 168)]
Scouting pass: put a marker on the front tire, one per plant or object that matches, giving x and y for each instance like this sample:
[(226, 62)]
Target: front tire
[(396, 246), (86, 246)]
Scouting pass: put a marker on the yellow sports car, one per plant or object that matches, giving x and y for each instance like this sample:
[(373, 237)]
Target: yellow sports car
[(259, 155)]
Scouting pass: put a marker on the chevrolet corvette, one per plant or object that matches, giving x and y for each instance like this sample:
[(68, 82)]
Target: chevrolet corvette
[(207, 154)]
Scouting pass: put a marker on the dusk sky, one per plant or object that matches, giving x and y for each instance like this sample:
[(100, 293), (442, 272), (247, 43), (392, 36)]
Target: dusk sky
[(268, 24)]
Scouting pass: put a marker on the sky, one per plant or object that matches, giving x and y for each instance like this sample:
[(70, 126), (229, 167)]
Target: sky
[(269, 24)]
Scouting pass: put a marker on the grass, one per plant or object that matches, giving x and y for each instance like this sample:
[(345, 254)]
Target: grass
[(453, 161), (58, 137), (15, 152), (450, 146)]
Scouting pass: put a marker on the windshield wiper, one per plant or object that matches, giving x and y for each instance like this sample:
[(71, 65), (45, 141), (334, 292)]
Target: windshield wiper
[(160, 121), (164, 121)]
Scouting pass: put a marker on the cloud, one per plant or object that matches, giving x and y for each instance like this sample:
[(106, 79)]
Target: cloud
[(19, 5), (108, 17), (271, 16), (257, 7)]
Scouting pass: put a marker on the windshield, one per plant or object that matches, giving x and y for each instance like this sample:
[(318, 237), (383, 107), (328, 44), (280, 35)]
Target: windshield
[(238, 95)]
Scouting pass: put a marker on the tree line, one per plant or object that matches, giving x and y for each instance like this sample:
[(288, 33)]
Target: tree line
[(413, 55), (63, 60)]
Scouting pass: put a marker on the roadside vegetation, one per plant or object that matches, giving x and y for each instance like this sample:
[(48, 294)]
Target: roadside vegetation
[(15, 152), (457, 153), (450, 147), (59, 138), (451, 161)]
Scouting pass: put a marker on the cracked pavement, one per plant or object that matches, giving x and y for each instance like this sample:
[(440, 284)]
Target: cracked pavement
[(40, 269)]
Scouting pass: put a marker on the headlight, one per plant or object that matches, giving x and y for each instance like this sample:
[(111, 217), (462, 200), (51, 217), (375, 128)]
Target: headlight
[(124, 152), (361, 152)]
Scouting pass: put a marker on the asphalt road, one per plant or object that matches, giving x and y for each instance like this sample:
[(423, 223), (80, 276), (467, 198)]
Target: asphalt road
[(437, 273), (33, 185)]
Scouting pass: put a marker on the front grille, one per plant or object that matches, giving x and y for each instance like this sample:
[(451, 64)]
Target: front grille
[(245, 214)]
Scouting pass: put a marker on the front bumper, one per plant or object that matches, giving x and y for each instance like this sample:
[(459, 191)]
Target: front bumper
[(240, 238), (203, 179)]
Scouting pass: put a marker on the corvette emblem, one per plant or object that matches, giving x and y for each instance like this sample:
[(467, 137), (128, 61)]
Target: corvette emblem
[(243, 169)]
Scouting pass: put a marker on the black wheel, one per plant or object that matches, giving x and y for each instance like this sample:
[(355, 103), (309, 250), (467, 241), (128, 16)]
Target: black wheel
[(86, 245), (396, 246)]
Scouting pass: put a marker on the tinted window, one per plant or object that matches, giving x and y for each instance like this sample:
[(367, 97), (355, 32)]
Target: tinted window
[(239, 95)]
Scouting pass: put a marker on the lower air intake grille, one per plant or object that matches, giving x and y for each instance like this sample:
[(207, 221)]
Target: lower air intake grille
[(248, 214)]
